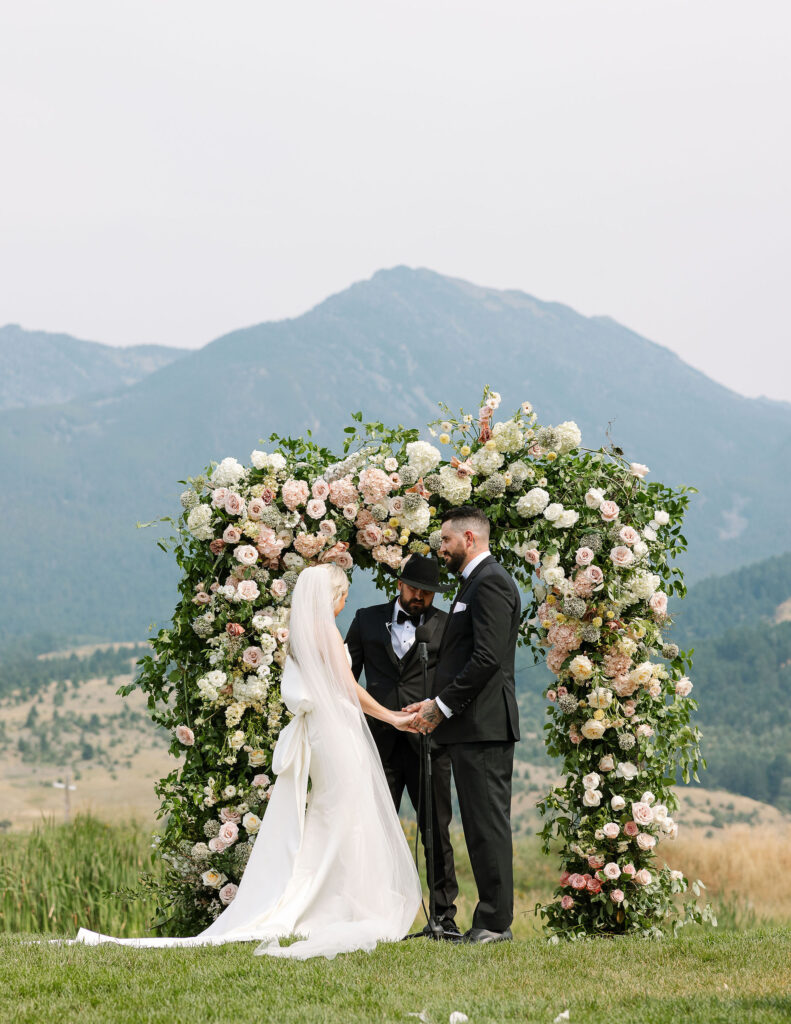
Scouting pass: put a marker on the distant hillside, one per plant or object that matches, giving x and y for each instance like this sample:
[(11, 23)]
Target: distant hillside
[(43, 369), (77, 476)]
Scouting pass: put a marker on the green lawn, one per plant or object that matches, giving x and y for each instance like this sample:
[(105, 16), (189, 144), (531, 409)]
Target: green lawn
[(699, 978)]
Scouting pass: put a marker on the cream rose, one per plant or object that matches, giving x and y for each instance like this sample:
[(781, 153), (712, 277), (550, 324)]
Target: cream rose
[(642, 813), (592, 729), (591, 781), (248, 590), (643, 877), (617, 803), (611, 871), (683, 687), (611, 830), (251, 823), (591, 797)]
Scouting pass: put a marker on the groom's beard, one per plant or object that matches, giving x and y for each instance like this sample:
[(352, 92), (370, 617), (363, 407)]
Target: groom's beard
[(455, 561)]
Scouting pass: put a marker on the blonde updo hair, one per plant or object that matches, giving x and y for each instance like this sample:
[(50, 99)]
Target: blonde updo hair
[(339, 582)]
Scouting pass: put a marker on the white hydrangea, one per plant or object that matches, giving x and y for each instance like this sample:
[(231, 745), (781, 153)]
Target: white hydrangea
[(568, 517), (570, 436), (227, 474), (199, 522), (273, 463), (453, 488), (293, 561), (417, 520), (487, 461), (533, 503), (507, 436), (423, 457), (251, 689), (643, 584), (554, 577), (209, 686)]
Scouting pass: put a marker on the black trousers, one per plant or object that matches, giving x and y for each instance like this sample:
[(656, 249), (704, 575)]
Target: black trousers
[(482, 772), (401, 763)]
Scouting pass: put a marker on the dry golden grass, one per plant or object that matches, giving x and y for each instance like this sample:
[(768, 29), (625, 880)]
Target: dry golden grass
[(744, 868)]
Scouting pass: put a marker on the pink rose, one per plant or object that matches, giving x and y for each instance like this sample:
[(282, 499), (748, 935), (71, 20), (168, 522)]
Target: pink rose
[(229, 814), (631, 829), (218, 496), (185, 735), (575, 737), (294, 493), (533, 556), (595, 575), (327, 528), (617, 896), (201, 598), (643, 877), (216, 845), (248, 590), (227, 894), (320, 490), (593, 885), (395, 479), (268, 495), (567, 902), (609, 511), (229, 832), (629, 535), (611, 829), (644, 731), (350, 512), (621, 556), (232, 535), (629, 707), (261, 780), (577, 881), (646, 841), (255, 508), (234, 629), (595, 862), (629, 869), (584, 556), (552, 696), (344, 561), (658, 603), (564, 879), (217, 546), (607, 763), (279, 589), (234, 504), (683, 687), (612, 871), (316, 508), (370, 536), (253, 656), (562, 691), (642, 813)]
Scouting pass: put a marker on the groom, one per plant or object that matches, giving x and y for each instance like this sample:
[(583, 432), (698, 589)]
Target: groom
[(474, 712)]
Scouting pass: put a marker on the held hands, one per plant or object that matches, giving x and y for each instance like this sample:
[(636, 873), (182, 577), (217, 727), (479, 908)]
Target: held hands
[(427, 716), (404, 721)]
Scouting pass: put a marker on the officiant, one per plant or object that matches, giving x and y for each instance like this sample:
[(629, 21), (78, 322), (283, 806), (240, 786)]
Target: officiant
[(381, 641)]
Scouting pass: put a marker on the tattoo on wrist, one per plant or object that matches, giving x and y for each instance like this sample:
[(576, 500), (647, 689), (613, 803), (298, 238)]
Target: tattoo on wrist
[(432, 714)]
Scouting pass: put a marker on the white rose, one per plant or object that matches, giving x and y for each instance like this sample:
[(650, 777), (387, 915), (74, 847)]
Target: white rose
[(251, 823), (617, 803), (246, 554), (600, 697), (647, 798), (661, 517), (566, 519), (591, 781), (553, 511), (591, 797), (594, 498), (626, 770), (638, 469)]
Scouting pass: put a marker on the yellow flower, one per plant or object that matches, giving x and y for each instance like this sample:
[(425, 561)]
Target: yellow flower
[(507, 477), (465, 450), (394, 522), (491, 446), (597, 621), (444, 438), (551, 599), (560, 617), (551, 456), (610, 615), (403, 539), (547, 624), (598, 714)]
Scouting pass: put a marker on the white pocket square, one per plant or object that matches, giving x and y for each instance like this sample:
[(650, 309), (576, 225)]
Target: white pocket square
[(460, 607)]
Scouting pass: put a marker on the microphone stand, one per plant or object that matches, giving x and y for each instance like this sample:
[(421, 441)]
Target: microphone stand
[(432, 930)]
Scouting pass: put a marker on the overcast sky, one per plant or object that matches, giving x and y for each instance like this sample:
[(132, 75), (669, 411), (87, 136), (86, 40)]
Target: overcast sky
[(173, 169)]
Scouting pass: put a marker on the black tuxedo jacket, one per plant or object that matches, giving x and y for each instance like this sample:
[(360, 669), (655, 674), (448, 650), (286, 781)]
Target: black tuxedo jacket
[(475, 670), (392, 681)]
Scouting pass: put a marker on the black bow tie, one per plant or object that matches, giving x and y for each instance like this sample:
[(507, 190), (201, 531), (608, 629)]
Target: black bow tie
[(402, 617)]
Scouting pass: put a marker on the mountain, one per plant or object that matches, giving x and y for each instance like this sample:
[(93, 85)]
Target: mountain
[(44, 369), (78, 475)]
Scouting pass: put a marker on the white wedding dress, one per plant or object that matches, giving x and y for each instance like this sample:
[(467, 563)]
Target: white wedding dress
[(339, 874)]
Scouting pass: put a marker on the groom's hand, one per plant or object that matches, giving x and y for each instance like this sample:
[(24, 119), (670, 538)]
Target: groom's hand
[(428, 717)]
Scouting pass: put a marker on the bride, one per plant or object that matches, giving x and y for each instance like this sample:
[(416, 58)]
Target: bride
[(339, 874)]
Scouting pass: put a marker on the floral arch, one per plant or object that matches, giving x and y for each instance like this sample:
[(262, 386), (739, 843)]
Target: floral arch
[(586, 537)]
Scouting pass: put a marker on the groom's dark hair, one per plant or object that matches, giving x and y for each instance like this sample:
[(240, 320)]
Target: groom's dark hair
[(468, 517)]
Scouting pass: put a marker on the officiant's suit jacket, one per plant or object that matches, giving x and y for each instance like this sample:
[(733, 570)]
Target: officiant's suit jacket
[(475, 668), (392, 681)]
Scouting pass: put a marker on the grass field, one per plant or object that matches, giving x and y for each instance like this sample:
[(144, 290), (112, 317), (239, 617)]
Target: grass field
[(57, 877)]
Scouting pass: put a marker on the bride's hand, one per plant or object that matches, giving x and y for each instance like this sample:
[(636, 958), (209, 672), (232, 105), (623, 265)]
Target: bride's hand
[(403, 720)]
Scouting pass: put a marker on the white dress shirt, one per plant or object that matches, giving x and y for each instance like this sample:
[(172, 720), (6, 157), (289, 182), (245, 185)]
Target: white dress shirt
[(402, 634), (468, 568)]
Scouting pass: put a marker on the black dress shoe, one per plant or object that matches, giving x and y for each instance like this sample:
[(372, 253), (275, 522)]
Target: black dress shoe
[(449, 929), (484, 935)]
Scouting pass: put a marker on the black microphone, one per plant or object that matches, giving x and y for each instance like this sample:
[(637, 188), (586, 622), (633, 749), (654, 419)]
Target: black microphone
[(422, 636)]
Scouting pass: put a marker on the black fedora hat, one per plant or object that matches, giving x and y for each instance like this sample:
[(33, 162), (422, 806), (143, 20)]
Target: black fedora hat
[(423, 574)]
